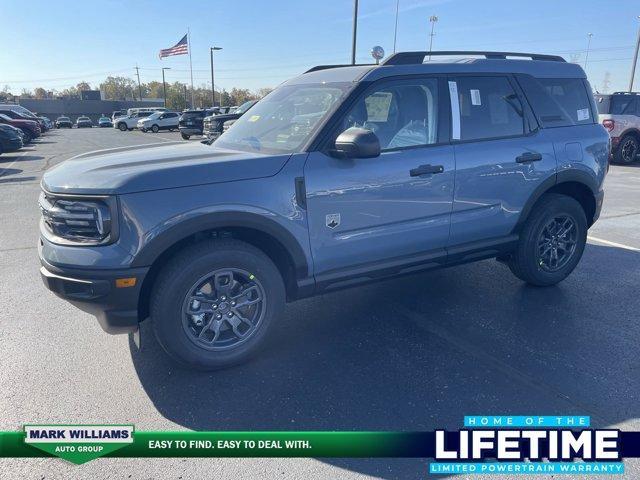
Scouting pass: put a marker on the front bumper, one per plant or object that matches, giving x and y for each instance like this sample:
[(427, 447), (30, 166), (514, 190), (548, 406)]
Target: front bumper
[(12, 145), (95, 292), (599, 201)]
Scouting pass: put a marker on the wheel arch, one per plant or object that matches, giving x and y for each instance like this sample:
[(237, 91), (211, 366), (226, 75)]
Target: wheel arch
[(267, 235), (633, 131), (576, 184)]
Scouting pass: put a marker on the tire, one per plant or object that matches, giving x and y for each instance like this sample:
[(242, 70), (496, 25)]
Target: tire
[(185, 136), (627, 150), (122, 127), (155, 128), (175, 284), (526, 263), (27, 136)]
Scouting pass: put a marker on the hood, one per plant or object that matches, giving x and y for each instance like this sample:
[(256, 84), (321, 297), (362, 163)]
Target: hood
[(155, 167), (24, 123)]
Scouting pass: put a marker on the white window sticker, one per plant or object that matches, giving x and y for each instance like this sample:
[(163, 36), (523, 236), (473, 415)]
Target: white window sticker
[(583, 114), (455, 110), (475, 97)]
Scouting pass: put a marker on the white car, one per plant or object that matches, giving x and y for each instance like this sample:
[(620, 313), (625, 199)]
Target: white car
[(159, 121), (130, 121)]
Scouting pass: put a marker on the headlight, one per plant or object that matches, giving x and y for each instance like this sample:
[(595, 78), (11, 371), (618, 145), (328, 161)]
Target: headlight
[(78, 219)]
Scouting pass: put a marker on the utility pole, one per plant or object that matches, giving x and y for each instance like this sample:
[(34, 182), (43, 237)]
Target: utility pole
[(395, 30), (139, 87), (164, 86), (355, 32), (432, 19), (635, 61), (213, 85), (586, 57)]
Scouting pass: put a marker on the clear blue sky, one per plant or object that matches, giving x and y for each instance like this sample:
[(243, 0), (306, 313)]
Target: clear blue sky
[(58, 44)]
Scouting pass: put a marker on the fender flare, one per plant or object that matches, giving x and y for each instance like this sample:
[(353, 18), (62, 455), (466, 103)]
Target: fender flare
[(575, 176), (178, 231)]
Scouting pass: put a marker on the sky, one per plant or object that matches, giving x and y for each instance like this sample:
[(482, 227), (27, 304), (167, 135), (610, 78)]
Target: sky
[(58, 44)]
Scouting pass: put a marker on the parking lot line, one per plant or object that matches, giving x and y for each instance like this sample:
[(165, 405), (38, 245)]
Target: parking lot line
[(613, 244), (8, 167)]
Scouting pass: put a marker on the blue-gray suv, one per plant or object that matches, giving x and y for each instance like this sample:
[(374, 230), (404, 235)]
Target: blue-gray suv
[(341, 176)]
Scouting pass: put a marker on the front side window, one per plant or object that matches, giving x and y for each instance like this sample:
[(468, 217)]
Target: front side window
[(284, 120), (401, 114), (489, 108)]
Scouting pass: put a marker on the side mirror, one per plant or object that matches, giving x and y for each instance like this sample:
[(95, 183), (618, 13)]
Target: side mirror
[(357, 142)]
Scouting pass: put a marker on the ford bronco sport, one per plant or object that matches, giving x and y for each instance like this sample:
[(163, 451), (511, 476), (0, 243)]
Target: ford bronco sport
[(341, 176), (620, 114)]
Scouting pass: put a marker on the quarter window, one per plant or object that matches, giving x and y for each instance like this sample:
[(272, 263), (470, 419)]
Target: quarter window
[(401, 114), (489, 108)]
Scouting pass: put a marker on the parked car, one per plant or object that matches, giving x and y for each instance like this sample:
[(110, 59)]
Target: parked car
[(159, 121), (118, 114), (64, 122), (105, 122), (30, 128), (84, 122), (23, 113), (19, 115), (339, 177), (10, 139), (130, 121), (190, 122), (214, 125), (620, 114), (47, 122)]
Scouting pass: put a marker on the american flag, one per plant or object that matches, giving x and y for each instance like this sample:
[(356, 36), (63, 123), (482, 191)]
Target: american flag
[(180, 48)]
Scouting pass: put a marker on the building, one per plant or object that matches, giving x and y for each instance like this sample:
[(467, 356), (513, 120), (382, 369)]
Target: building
[(75, 107)]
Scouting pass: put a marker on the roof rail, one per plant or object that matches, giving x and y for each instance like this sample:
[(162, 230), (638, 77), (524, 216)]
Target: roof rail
[(409, 58), (325, 67), (625, 93)]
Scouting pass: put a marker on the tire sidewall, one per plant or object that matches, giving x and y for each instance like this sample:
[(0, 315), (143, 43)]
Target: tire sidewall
[(167, 306), (155, 129), (122, 127)]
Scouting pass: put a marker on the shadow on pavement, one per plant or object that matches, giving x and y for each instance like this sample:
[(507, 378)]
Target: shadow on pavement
[(421, 352)]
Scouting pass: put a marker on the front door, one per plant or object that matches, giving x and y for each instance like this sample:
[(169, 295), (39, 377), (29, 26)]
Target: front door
[(377, 213)]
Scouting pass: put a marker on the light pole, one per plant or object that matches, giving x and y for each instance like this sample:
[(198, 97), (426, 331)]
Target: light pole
[(395, 30), (432, 19), (586, 57), (635, 60), (213, 86), (355, 32), (164, 86)]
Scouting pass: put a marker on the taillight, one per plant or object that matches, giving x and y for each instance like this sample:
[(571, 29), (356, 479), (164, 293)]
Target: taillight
[(609, 124)]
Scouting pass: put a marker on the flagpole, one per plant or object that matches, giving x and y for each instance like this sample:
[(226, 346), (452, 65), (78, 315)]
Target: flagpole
[(190, 64)]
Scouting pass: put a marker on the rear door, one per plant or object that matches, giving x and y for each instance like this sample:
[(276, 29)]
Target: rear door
[(501, 157), (392, 210)]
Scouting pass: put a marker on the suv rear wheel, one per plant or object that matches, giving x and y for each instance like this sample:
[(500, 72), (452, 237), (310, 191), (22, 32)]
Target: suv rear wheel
[(551, 242), (213, 303), (627, 150)]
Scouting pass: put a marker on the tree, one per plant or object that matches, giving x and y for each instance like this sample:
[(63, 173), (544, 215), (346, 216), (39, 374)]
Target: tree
[(241, 95), (117, 88), (83, 86), (40, 93), (263, 92)]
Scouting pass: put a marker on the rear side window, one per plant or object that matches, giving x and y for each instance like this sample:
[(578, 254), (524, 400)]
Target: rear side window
[(623, 105), (489, 108), (558, 102)]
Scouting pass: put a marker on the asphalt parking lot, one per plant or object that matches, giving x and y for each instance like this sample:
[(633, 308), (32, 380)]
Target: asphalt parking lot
[(411, 354)]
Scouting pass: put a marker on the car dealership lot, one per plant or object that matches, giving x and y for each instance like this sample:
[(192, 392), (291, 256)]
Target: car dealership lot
[(411, 354)]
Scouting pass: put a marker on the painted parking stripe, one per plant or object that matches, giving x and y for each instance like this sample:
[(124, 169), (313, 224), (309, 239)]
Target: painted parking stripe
[(614, 244)]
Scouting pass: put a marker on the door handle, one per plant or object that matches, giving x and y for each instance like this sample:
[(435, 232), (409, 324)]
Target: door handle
[(529, 157), (426, 170)]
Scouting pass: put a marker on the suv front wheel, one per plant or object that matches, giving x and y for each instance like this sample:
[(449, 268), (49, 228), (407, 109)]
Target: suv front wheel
[(213, 303), (551, 241)]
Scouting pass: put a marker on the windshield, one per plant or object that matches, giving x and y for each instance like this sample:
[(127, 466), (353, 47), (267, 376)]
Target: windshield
[(284, 120), (63, 119), (245, 106)]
